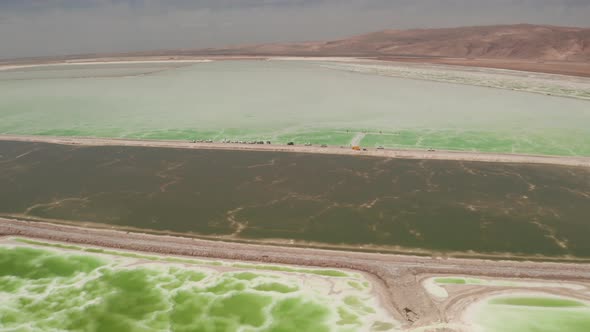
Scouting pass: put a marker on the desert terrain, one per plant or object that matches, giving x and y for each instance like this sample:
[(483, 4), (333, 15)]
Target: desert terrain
[(525, 47)]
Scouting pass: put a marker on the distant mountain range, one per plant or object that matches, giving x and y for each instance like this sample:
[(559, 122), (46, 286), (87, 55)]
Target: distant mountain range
[(523, 41), (535, 48)]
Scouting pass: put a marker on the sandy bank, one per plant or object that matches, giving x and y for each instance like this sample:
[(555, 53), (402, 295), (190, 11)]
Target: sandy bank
[(331, 150)]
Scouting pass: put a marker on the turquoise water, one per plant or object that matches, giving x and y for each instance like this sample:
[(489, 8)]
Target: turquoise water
[(286, 101)]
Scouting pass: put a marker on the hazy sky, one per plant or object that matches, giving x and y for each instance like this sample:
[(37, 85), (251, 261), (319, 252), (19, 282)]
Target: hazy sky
[(55, 27)]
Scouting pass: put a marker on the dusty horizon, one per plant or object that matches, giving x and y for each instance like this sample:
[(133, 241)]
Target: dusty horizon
[(306, 47), (66, 27)]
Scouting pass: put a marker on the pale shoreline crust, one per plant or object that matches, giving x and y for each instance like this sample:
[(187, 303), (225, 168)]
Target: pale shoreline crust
[(579, 69), (330, 150), (100, 62), (397, 278), (565, 68)]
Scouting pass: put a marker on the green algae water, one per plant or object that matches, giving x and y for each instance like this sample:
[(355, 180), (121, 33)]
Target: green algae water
[(45, 288), (533, 314), (286, 101), (549, 302), (451, 281), (309, 200), (438, 288)]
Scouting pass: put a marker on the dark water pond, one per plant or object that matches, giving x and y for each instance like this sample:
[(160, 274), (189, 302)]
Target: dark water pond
[(335, 200)]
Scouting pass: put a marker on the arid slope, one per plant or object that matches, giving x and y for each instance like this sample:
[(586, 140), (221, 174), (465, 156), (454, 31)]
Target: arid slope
[(525, 42), (525, 47)]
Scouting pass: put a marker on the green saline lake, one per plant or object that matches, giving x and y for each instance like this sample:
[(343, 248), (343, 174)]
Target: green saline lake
[(54, 287), (533, 314), (286, 101), (311, 200)]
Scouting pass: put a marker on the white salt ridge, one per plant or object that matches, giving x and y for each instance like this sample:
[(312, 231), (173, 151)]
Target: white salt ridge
[(549, 84)]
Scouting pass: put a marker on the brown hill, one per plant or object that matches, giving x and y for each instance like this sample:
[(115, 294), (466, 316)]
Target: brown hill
[(524, 41), (536, 48)]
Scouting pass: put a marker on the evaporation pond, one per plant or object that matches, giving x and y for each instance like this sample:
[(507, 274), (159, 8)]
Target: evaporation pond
[(285, 101), (62, 287), (533, 314), (336, 200)]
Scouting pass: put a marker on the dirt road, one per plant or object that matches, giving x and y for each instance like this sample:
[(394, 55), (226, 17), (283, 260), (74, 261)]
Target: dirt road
[(333, 150)]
